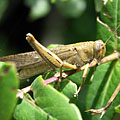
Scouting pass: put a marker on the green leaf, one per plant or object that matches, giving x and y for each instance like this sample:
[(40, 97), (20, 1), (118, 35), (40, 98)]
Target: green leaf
[(109, 20), (117, 108), (3, 6), (38, 8), (68, 88), (71, 8), (104, 83), (29, 111), (53, 45), (53, 1), (8, 89), (98, 5), (54, 102), (106, 77), (76, 78)]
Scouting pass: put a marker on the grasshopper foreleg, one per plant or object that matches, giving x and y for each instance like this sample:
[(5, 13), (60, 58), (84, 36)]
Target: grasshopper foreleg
[(104, 109), (83, 78), (60, 78)]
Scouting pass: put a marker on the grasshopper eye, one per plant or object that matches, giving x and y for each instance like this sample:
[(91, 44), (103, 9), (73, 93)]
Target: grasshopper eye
[(98, 45), (99, 49)]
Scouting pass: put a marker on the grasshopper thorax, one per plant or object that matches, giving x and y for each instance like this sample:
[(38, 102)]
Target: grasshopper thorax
[(99, 49)]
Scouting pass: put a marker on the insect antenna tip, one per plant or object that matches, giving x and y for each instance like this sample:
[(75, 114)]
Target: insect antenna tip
[(112, 34)]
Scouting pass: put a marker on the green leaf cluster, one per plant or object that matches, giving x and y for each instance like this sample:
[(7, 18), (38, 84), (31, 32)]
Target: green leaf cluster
[(40, 8), (50, 104), (8, 89)]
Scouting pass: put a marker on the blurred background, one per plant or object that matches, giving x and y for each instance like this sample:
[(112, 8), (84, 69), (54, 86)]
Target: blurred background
[(50, 21)]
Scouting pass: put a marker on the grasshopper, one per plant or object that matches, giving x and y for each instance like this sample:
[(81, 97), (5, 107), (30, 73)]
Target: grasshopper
[(83, 54), (72, 56), (77, 57)]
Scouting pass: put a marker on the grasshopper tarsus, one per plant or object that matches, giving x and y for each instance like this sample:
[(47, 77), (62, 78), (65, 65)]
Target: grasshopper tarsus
[(29, 37)]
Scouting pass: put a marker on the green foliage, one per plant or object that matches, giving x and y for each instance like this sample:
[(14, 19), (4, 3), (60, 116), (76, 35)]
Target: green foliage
[(106, 77), (38, 8), (49, 103), (29, 111), (117, 109), (8, 90), (110, 18), (105, 81), (53, 1), (78, 7), (3, 7), (98, 5)]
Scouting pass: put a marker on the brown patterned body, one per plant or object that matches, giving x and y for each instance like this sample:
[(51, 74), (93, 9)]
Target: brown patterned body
[(31, 63)]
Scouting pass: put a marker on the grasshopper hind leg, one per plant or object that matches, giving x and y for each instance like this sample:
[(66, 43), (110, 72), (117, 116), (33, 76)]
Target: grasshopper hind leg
[(60, 78), (64, 64)]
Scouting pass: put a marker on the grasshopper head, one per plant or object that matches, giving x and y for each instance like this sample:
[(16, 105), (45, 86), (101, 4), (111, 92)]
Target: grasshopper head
[(99, 49)]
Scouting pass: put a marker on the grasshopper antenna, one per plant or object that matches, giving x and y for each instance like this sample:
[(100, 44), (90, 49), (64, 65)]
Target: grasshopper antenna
[(112, 34)]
